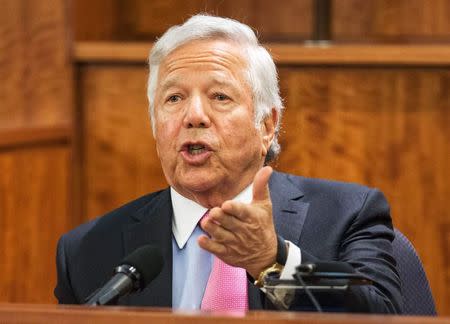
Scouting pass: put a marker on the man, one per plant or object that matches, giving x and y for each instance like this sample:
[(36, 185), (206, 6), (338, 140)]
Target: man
[(227, 219)]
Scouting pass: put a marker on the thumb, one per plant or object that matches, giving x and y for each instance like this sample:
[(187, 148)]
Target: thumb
[(261, 184)]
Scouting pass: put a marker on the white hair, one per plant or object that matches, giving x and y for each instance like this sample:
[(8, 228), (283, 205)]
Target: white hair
[(261, 72)]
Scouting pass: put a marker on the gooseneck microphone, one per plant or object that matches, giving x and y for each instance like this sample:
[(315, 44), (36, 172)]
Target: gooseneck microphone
[(134, 273)]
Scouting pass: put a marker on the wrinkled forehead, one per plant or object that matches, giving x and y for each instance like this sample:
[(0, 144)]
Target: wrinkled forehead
[(224, 50), (212, 56)]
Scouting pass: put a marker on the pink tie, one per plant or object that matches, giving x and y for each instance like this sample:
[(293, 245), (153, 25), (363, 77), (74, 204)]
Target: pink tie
[(226, 289)]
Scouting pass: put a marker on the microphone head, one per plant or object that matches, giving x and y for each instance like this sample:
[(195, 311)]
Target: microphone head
[(148, 261)]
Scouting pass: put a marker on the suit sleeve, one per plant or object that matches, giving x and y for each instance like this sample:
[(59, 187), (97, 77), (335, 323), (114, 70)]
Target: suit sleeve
[(63, 290), (367, 246)]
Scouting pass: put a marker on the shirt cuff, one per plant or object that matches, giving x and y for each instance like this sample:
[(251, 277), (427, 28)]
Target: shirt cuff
[(294, 258)]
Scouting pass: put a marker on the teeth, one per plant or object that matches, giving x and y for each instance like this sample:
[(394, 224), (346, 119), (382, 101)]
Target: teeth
[(196, 149)]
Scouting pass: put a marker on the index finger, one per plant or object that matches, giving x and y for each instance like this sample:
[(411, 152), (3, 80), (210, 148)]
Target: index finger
[(236, 209)]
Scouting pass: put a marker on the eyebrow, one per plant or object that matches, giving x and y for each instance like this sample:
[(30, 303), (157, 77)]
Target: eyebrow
[(223, 82), (166, 84)]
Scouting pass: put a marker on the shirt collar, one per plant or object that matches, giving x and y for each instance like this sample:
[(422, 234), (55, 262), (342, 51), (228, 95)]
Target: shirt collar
[(187, 213)]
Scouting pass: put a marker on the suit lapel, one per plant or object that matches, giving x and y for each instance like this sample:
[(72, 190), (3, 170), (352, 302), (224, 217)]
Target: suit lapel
[(289, 211), (153, 226)]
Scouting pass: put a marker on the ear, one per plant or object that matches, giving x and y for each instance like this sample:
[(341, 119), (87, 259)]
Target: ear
[(268, 130)]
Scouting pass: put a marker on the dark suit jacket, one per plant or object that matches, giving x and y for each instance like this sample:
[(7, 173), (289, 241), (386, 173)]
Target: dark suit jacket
[(327, 220)]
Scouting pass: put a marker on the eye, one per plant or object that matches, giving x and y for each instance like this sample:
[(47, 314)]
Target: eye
[(173, 98), (221, 97)]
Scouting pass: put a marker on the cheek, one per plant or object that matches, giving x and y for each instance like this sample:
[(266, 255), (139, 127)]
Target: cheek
[(165, 137), (242, 137), (166, 126)]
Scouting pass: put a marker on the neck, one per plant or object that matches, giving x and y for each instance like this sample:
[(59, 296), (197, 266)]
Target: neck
[(215, 198)]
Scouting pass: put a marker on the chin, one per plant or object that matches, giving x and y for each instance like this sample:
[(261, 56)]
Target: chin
[(198, 181), (197, 186)]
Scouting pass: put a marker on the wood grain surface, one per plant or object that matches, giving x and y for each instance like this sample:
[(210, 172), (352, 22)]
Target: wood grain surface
[(35, 145), (134, 20), (386, 128), (290, 21), (25, 313), (388, 21), (35, 65), (284, 54), (28, 136), (119, 156), (34, 212)]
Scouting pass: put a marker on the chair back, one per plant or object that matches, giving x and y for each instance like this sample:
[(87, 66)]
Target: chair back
[(417, 297)]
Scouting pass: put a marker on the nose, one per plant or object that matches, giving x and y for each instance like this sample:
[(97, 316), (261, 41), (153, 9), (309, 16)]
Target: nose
[(196, 115)]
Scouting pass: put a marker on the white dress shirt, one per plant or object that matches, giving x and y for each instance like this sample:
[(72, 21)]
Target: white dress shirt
[(186, 215)]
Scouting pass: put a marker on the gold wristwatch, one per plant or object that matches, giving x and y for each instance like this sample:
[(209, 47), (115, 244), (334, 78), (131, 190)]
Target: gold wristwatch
[(276, 268)]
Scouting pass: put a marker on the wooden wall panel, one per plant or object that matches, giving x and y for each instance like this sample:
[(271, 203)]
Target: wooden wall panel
[(98, 20), (34, 212), (119, 156), (291, 21), (352, 20), (133, 20), (35, 66), (35, 146), (387, 128), (385, 20)]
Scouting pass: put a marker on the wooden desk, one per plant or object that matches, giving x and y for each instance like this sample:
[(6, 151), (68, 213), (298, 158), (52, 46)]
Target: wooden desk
[(32, 313)]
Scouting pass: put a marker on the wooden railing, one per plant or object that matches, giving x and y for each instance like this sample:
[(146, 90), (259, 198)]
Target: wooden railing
[(17, 313), (296, 54)]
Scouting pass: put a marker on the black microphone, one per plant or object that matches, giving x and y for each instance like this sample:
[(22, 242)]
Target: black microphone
[(335, 274), (325, 267), (134, 273), (331, 273), (330, 277)]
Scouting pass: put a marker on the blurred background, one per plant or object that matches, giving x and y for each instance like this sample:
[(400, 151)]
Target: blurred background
[(366, 88)]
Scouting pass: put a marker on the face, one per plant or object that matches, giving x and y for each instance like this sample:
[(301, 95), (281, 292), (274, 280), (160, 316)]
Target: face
[(206, 138)]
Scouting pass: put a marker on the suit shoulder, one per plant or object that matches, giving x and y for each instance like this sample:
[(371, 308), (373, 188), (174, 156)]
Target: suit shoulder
[(307, 183), (114, 219), (331, 190)]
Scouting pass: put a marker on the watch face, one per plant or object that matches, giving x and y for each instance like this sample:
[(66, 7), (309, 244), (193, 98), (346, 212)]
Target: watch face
[(273, 272)]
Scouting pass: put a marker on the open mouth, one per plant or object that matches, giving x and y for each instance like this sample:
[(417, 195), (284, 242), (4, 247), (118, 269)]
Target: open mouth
[(195, 149), (196, 153)]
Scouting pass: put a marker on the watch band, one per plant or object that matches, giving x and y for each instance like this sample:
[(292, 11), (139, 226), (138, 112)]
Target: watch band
[(276, 268)]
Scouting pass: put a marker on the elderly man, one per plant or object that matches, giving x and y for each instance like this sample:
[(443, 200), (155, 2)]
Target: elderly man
[(227, 219)]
